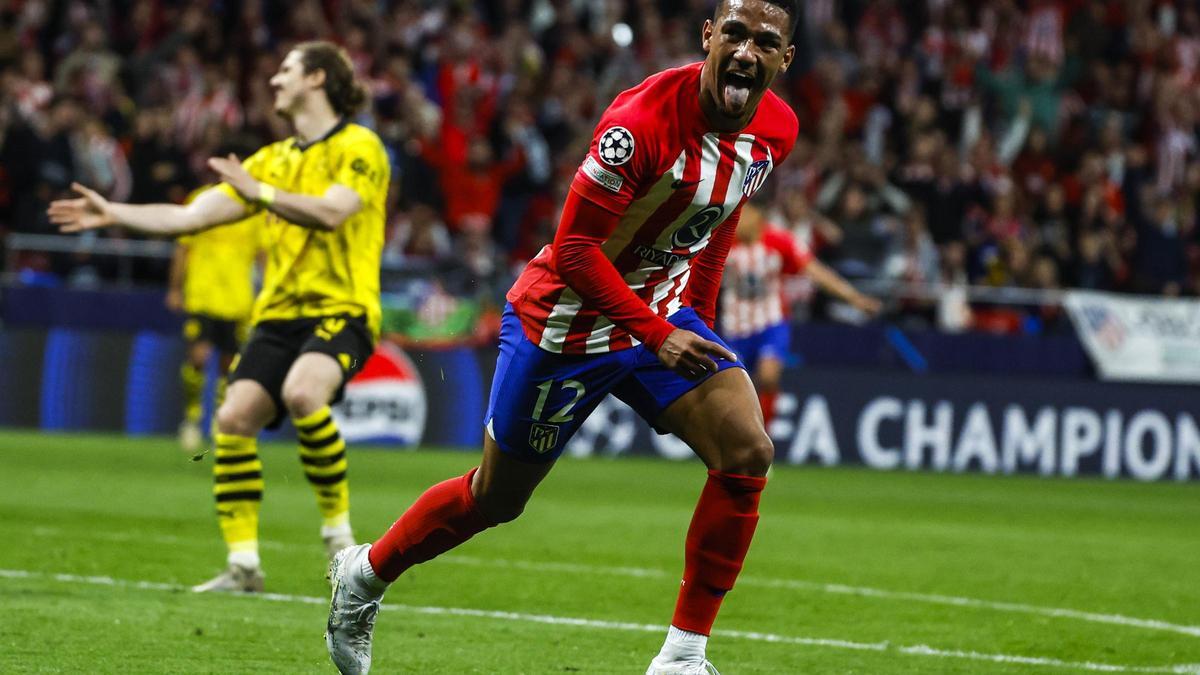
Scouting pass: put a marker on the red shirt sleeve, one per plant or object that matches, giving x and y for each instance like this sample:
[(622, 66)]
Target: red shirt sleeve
[(623, 157), (705, 283), (796, 256), (578, 259)]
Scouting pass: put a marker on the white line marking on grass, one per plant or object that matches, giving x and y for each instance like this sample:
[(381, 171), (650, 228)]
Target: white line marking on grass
[(749, 580), (909, 650), (843, 589)]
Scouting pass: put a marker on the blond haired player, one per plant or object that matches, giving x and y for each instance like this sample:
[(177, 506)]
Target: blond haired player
[(212, 283), (322, 193)]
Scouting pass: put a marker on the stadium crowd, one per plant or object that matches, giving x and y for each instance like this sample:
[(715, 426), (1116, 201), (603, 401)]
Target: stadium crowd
[(1037, 144)]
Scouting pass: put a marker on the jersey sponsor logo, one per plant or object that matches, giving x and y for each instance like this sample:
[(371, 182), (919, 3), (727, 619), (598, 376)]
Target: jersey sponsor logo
[(661, 258), (385, 402), (756, 175), (615, 146), (698, 226), (543, 437), (605, 178)]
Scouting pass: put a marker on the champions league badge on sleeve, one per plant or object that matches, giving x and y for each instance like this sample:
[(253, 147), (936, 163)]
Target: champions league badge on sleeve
[(756, 175), (615, 146), (385, 403)]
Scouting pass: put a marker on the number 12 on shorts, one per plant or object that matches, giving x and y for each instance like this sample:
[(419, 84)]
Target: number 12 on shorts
[(564, 414)]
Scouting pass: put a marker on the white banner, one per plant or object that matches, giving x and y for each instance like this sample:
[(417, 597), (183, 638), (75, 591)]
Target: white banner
[(1138, 338)]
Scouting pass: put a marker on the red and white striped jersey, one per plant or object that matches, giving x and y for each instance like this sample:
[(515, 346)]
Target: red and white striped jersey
[(752, 290), (655, 163)]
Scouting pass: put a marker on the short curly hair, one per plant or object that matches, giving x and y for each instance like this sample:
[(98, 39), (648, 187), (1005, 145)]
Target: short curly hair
[(790, 6)]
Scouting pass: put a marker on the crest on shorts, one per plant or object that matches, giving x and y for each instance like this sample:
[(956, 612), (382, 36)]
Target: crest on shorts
[(615, 146), (543, 437), (756, 175)]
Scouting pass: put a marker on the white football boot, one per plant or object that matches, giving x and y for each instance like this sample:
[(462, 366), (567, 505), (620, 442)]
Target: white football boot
[(353, 607), (336, 539), (703, 667), (190, 438), (235, 579)]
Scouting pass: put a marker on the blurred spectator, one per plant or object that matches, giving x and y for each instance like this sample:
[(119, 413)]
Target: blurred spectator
[(911, 260), (1054, 225), (89, 71), (911, 255), (1160, 263), (53, 158), (1034, 143), (159, 166), (101, 160), (418, 236), (29, 88), (471, 188), (1048, 316), (953, 311)]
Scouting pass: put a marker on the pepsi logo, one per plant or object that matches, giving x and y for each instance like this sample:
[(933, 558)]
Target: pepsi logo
[(385, 403)]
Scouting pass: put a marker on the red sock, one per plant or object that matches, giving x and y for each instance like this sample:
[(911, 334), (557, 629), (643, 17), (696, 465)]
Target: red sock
[(766, 400), (717, 541), (441, 518)]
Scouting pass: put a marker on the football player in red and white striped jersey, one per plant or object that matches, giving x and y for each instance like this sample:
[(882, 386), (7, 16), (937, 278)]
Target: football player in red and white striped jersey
[(753, 318), (623, 302)]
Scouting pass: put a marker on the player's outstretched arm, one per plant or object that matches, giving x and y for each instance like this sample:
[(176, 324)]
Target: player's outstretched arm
[(91, 211), (321, 212), (833, 283)]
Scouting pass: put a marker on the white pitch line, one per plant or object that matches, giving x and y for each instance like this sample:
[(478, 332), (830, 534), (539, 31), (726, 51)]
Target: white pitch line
[(908, 650), (748, 580), (843, 589)]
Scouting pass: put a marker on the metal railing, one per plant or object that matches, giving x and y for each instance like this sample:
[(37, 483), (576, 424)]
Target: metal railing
[(934, 291), (126, 250)]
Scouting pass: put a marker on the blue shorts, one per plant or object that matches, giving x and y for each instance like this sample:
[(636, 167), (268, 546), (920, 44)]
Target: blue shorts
[(540, 398), (771, 342)]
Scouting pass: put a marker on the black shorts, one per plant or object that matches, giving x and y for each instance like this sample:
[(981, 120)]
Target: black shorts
[(275, 345), (223, 334)]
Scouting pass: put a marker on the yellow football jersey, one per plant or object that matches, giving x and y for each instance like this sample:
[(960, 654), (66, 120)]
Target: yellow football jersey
[(311, 272), (219, 277)]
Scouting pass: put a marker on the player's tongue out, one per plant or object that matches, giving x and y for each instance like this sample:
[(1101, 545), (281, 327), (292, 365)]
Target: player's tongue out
[(737, 91)]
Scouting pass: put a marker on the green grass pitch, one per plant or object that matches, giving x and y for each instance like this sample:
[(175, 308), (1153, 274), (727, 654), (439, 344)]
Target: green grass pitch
[(851, 571)]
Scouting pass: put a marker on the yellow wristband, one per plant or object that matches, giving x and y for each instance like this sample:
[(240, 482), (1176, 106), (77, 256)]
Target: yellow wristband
[(266, 194)]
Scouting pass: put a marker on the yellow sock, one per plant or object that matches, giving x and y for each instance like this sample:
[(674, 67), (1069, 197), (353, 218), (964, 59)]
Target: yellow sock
[(193, 390), (323, 454), (238, 486)]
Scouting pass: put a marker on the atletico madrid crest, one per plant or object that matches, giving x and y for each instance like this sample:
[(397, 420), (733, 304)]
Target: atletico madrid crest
[(543, 437), (756, 175)]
